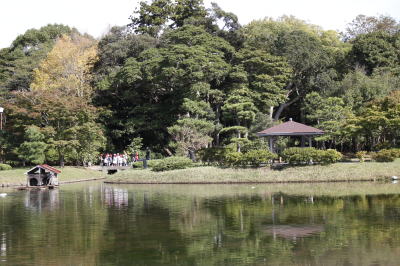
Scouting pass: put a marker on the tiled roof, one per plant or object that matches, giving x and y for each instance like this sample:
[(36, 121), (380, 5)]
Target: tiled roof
[(290, 128), (52, 169), (46, 167)]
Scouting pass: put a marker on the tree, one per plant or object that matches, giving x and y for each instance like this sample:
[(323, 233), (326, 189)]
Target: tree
[(32, 150), (363, 24), (189, 64), (374, 50), (357, 88), (311, 53), (68, 67), (267, 76), (329, 114), (25, 54), (191, 134), (68, 122), (159, 14), (114, 48)]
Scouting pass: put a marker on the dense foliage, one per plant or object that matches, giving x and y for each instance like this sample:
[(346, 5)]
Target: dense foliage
[(182, 78), (172, 163), (298, 156)]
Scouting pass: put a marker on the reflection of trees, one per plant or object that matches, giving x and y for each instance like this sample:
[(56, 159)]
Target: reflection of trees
[(142, 233), (119, 225), (65, 231)]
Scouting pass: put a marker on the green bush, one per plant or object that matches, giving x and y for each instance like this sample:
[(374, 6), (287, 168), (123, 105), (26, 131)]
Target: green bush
[(257, 157), (327, 156), (4, 166), (172, 163), (252, 158), (384, 156), (233, 159), (395, 152), (299, 155), (150, 164), (214, 155), (296, 156), (361, 156)]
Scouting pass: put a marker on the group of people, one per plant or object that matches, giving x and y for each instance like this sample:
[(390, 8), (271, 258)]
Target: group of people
[(117, 159)]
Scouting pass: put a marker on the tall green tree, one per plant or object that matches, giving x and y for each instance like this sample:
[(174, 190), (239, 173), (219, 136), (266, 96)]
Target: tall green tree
[(32, 150), (311, 53), (18, 61)]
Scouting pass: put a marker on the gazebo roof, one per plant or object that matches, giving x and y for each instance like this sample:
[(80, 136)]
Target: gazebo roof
[(290, 128)]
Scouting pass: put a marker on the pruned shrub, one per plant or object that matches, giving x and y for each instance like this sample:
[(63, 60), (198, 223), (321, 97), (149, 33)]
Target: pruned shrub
[(395, 152), (327, 156), (150, 164), (214, 155), (251, 158), (257, 157), (361, 156), (233, 159), (295, 156), (172, 163), (4, 166), (384, 156)]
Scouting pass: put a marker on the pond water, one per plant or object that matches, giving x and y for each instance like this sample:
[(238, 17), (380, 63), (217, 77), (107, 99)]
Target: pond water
[(304, 224)]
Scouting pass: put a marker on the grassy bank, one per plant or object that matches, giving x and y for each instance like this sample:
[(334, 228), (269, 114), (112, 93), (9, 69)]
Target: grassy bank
[(68, 174), (317, 173)]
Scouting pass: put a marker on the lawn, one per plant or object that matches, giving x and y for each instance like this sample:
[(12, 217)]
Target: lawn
[(317, 173), (68, 174)]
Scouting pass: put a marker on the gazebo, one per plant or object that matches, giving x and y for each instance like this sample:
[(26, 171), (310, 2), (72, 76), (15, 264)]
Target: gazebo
[(290, 128)]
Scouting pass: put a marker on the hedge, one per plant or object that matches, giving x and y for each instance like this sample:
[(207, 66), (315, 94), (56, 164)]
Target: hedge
[(172, 163), (295, 156), (4, 166)]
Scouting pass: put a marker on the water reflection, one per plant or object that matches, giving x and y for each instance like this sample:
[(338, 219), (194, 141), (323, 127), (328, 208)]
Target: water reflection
[(116, 197), (98, 224), (3, 245), (294, 232), (42, 199)]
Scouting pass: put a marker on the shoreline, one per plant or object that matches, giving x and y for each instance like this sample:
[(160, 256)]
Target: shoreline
[(17, 178), (13, 185), (249, 182), (335, 173)]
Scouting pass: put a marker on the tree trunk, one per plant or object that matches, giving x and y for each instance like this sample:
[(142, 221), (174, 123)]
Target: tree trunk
[(61, 156), (271, 112), (283, 106)]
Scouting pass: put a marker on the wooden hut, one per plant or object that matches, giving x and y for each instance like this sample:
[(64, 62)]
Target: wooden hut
[(42, 175), (290, 128)]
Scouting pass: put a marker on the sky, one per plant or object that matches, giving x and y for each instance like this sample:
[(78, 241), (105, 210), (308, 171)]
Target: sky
[(97, 16)]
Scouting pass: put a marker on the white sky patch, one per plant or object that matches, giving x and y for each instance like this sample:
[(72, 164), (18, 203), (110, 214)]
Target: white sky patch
[(96, 16)]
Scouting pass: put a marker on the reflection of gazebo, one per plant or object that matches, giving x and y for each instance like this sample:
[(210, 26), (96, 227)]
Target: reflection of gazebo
[(290, 128), (293, 232)]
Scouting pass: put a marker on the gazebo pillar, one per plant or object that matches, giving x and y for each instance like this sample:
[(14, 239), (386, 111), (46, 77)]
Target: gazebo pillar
[(271, 144), (303, 141), (309, 141)]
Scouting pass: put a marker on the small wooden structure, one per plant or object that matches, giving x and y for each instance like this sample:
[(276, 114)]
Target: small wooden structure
[(42, 175), (290, 128)]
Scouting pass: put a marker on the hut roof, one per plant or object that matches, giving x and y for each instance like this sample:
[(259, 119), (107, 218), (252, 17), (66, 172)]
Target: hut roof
[(290, 128), (45, 167)]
